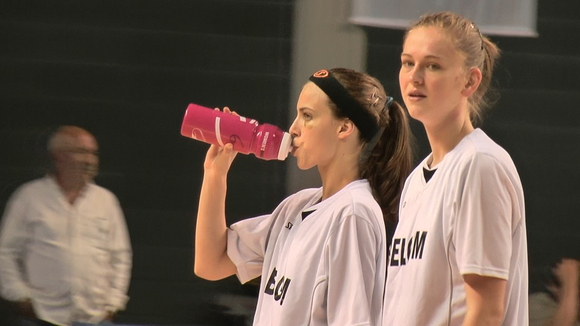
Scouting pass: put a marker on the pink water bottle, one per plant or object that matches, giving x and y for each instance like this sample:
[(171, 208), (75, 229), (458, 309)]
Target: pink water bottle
[(266, 141)]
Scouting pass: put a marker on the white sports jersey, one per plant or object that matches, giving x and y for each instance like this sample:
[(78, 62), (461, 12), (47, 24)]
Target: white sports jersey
[(322, 263), (468, 219)]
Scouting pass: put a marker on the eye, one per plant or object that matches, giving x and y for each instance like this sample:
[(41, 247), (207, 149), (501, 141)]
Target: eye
[(433, 66), (306, 116), (407, 63), (86, 151)]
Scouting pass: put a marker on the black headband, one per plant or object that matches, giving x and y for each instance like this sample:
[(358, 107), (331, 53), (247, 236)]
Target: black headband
[(365, 123)]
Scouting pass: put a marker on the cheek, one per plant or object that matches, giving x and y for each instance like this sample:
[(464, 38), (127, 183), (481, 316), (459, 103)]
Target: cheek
[(312, 139), (402, 73), (440, 87), (308, 129), (403, 79), (450, 86), (324, 140)]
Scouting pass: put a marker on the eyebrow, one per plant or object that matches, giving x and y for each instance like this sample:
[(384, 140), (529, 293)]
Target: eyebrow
[(430, 56)]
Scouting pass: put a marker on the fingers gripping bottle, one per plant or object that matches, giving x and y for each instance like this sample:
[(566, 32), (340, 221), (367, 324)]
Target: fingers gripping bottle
[(266, 141)]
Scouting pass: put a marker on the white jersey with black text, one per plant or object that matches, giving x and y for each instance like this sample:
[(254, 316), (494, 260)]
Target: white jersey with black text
[(322, 263), (469, 218)]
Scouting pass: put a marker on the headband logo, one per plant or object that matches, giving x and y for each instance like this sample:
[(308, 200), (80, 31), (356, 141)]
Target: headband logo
[(321, 73)]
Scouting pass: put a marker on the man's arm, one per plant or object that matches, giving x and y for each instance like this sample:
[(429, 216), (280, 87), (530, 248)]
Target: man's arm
[(13, 238), (121, 260)]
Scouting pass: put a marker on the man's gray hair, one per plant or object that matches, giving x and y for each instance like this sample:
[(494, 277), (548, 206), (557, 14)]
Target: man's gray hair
[(64, 137)]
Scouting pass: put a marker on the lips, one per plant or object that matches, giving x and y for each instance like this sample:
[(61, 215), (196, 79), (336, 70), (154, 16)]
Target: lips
[(294, 146), (416, 94)]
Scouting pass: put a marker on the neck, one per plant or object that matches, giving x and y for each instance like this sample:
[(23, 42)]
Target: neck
[(70, 187), (444, 137), (338, 175)]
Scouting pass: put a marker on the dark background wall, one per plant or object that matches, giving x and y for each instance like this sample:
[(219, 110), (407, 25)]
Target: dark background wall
[(126, 70)]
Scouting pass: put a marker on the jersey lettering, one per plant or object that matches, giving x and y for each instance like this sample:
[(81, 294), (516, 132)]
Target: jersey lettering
[(404, 249), (277, 289)]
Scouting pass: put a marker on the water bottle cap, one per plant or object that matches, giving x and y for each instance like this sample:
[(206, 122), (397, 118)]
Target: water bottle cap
[(285, 146)]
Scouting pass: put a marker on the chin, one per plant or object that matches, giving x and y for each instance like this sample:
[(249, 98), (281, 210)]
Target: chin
[(303, 166), (88, 178)]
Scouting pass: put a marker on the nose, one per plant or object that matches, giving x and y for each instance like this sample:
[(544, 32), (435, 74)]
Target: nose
[(416, 76), (89, 157), (92, 158), (294, 130)]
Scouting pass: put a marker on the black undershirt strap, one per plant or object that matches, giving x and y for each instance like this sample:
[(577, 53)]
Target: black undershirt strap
[(428, 174), (306, 213)]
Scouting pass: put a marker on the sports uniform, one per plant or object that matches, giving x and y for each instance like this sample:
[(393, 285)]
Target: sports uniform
[(468, 218), (322, 263)]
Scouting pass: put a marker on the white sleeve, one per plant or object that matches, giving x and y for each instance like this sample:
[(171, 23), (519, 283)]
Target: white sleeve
[(13, 238), (351, 259), (121, 258), (246, 245), (247, 239), (483, 227)]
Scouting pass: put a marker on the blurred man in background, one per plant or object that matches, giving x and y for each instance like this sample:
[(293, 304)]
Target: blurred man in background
[(65, 254)]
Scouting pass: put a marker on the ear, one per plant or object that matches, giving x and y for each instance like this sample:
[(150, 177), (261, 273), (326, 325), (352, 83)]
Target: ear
[(346, 128), (472, 82)]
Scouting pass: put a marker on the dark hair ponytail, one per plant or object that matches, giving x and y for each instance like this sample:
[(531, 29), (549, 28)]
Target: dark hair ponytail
[(387, 161), (390, 162)]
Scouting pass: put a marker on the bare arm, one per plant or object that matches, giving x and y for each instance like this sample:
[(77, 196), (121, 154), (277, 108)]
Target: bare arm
[(211, 259), (485, 300), (568, 300)]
